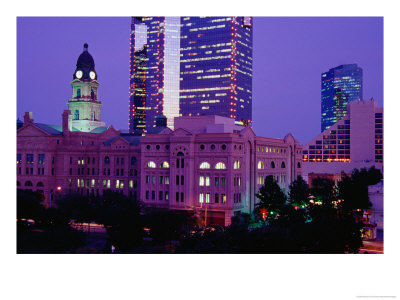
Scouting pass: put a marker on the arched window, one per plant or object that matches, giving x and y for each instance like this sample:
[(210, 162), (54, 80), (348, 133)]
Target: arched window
[(272, 165), (93, 115), (204, 165), (78, 93), (76, 115), (133, 160), (92, 94), (151, 164), (236, 165), (260, 165), (283, 165), (40, 183), (220, 166), (298, 165), (106, 160), (164, 164), (28, 183), (180, 162)]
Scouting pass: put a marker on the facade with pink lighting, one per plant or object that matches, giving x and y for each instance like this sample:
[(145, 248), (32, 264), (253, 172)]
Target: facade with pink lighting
[(355, 141), (206, 165)]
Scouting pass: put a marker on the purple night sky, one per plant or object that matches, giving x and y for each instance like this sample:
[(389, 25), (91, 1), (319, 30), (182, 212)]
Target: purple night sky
[(289, 56)]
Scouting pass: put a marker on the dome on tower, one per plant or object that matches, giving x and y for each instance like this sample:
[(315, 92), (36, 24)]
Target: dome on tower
[(85, 64)]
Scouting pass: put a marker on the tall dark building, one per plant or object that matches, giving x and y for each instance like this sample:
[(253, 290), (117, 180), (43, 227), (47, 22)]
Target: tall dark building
[(154, 71), (339, 86), (216, 67), (138, 109)]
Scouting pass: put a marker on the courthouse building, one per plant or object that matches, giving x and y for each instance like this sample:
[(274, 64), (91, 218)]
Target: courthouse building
[(207, 163)]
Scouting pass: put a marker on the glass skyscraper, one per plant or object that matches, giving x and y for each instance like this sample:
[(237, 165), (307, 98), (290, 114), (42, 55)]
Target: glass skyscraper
[(339, 86), (216, 67), (154, 72)]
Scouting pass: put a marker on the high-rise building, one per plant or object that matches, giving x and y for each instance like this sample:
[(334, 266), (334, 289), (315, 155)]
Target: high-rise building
[(355, 141), (216, 67), (154, 71), (339, 86)]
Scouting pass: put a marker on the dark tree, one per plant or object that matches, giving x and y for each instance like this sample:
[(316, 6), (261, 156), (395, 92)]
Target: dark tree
[(166, 225), (272, 198), (29, 205), (299, 192), (323, 190), (353, 190), (121, 217)]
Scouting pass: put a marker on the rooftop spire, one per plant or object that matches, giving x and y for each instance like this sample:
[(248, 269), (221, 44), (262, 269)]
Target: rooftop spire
[(85, 47)]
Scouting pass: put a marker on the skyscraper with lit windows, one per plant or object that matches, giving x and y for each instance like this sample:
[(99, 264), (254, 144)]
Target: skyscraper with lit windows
[(339, 86), (154, 71), (216, 67)]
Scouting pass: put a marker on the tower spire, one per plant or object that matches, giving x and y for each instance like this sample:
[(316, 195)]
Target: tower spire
[(85, 47)]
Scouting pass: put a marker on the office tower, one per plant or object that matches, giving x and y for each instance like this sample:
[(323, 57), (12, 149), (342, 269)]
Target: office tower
[(216, 67), (339, 86), (355, 141), (154, 72)]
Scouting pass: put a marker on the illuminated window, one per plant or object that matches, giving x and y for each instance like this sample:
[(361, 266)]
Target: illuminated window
[(204, 165), (151, 164), (220, 166), (207, 181), (201, 181), (208, 198), (164, 164), (260, 165), (201, 197), (236, 165), (166, 180), (223, 198)]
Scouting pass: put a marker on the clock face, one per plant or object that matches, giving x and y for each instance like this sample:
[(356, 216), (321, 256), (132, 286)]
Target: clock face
[(78, 74), (92, 75)]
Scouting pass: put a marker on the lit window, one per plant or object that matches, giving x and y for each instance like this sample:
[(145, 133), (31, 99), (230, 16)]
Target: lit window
[(208, 198), (207, 181), (204, 165), (220, 166), (201, 181), (164, 164), (151, 164), (260, 165), (223, 198), (236, 165), (201, 197)]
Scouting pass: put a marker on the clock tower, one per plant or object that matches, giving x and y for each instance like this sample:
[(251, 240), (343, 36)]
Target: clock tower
[(84, 104)]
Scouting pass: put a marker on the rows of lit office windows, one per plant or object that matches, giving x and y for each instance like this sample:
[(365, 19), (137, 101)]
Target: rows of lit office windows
[(379, 137), (218, 198), (205, 58)]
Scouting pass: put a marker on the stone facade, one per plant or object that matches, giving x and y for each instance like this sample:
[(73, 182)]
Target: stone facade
[(195, 167)]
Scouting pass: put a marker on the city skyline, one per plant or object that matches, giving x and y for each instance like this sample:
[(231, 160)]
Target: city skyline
[(286, 82)]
